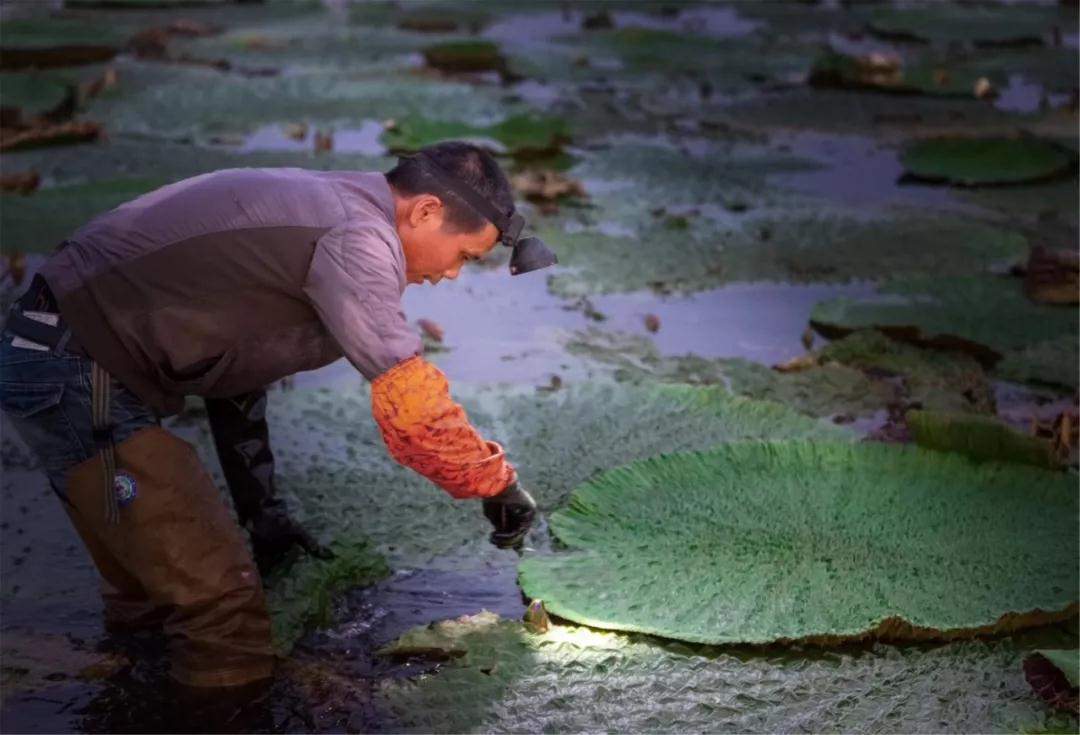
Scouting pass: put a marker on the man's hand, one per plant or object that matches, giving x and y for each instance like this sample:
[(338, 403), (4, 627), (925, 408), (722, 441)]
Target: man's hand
[(274, 533), (511, 512)]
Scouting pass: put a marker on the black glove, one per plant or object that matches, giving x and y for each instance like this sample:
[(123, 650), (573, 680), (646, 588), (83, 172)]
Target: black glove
[(511, 512), (274, 533)]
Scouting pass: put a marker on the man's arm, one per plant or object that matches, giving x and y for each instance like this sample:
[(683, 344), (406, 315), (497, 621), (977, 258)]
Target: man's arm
[(355, 284)]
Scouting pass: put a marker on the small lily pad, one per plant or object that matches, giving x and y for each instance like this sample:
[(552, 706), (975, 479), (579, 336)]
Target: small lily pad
[(987, 317), (519, 135), (32, 94), (54, 42), (984, 161), (1054, 677), (990, 24), (39, 222)]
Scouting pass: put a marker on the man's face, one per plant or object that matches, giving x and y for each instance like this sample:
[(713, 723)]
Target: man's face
[(431, 251)]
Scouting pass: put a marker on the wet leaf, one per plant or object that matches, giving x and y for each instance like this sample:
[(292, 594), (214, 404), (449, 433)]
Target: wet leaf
[(982, 438), (20, 182), (823, 542), (987, 317), (984, 161), (519, 135), (49, 134), (575, 679)]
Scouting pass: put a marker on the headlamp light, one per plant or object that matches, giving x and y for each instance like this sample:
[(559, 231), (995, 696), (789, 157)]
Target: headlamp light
[(529, 253)]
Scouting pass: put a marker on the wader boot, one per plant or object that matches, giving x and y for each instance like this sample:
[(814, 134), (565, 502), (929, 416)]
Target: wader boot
[(176, 547)]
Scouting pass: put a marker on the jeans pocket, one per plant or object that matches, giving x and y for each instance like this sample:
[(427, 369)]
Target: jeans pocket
[(48, 419), (23, 400)]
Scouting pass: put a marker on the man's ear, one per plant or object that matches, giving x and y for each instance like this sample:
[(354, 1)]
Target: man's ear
[(426, 209)]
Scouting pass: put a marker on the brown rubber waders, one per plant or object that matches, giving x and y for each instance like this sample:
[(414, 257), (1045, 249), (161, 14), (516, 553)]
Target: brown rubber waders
[(176, 555)]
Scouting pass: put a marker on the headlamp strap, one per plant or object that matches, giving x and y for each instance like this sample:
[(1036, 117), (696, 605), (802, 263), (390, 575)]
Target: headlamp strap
[(509, 224)]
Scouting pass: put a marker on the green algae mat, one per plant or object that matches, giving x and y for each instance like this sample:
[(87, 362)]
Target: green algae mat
[(759, 542), (985, 161), (502, 677)]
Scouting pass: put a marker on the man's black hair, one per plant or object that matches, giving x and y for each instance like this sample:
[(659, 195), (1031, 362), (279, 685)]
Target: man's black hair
[(470, 164)]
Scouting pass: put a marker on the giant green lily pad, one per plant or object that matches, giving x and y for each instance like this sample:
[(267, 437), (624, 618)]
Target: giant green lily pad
[(33, 94), (984, 161), (933, 379), (196, 104), (979, 437), (758, 542), (985, 316), (521, 135), (1051, 362), (39, 222), (989, 24), (801, 248), (335, 470), (344, 487), (827, 390), (52, 42), (575, 679)]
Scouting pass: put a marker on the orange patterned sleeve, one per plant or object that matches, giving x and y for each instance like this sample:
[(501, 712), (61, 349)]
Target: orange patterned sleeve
[(425, 430)]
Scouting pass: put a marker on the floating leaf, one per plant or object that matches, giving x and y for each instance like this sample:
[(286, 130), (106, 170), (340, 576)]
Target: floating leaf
[(758, 542), (52, 42), (516, 135), (575, 679), (985, 316), (980, 437), (991, 24), (39, 222), (982, 161)]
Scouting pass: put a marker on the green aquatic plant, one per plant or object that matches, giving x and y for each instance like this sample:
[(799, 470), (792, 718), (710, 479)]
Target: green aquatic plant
[(828, 390), (39, 222), (982, 438), (986, 316), (934, 379), (758, 542), (302, 593), (982, 161), (990, 24), (518, 135), (34, 94), (503, 677), (800, 247), (84, 41), (334, 469)]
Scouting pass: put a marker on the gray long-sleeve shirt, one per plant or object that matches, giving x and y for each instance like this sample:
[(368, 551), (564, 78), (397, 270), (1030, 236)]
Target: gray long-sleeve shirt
[(225, 282)]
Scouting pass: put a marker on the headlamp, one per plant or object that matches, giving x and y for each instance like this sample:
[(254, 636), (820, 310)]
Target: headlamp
[(529, 253)]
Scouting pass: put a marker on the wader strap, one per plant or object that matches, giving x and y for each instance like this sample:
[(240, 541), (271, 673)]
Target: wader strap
[(99, 411)]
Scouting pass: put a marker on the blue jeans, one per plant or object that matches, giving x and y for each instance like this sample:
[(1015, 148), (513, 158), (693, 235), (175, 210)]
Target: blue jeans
[(46, 395)]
